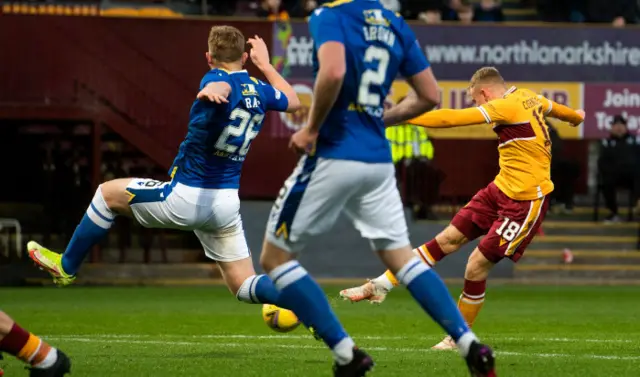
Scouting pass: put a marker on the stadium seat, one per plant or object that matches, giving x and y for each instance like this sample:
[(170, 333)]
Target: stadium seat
[(130, 12)]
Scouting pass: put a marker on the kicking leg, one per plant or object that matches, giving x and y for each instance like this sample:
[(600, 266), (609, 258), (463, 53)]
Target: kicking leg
[(111, 198), (44, 360), (375, 291)]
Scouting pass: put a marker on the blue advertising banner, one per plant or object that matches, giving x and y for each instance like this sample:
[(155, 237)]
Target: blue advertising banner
[(522, 53)]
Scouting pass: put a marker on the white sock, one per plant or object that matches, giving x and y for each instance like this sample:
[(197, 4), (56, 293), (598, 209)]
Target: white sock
[(343, 351), (49, 360), (247, 291), (98, 211), (465, 342), (383, 281)]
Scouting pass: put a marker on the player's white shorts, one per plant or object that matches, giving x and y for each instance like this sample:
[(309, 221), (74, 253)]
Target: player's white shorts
[(212, 214), (319, 190)]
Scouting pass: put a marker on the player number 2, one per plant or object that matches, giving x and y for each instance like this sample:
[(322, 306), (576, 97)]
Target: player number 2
[(246, 127), (508, 230), (373, 76)]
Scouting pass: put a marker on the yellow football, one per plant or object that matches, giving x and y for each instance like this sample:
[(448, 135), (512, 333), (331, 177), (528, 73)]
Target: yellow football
[(280, 320)]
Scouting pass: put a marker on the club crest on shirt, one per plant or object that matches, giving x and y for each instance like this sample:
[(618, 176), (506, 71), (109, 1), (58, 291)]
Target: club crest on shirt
[(375, 17), (249, 90)]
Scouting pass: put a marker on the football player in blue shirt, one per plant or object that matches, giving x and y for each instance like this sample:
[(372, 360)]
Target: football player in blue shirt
[(360, 47), (202, 195)]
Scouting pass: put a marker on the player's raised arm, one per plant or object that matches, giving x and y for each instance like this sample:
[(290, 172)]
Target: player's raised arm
[(217, 91), (562, 112), (260, 57)]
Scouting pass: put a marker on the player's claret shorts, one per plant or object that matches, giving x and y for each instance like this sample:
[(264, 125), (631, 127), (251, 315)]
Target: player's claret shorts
[(509, 225)]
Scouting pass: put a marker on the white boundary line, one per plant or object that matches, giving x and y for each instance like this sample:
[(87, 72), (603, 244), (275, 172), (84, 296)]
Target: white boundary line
[(136, 339), (357, 337)]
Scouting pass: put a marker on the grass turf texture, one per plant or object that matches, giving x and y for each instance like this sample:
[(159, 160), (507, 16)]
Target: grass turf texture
[(135, 332)]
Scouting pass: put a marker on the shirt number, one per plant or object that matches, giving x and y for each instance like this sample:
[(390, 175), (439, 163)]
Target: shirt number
[(508, 230), (538, 113), (246, 128), (373, 76)]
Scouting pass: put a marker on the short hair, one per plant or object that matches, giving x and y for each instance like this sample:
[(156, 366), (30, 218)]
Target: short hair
[(486, 75), (226, 44)]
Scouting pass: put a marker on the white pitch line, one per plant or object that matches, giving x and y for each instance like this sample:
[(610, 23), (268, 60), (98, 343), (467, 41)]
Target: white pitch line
[(302, 346), (364, 337)]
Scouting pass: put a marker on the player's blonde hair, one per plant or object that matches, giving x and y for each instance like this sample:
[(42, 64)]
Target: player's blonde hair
[(226, 44), (486, 75)]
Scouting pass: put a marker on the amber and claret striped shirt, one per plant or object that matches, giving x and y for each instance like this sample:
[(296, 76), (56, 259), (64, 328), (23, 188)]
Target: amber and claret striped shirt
[(524, 143)]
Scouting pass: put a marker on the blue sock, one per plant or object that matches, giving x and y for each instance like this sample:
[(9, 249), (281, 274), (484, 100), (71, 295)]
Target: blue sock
[(95, 224), (300, 293), (429, 290), (258, 289)]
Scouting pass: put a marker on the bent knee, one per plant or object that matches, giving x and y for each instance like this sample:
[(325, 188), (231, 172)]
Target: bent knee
[(114, 193)]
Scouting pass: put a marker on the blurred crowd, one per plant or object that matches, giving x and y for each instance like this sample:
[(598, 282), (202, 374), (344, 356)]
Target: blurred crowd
[(615, 12)]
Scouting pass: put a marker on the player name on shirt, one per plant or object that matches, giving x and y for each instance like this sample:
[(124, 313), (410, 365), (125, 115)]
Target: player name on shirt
[(379, 33)]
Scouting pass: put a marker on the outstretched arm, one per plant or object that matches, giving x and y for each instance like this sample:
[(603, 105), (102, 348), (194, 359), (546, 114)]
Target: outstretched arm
[(217, 91), (562, 112), (448, 118)]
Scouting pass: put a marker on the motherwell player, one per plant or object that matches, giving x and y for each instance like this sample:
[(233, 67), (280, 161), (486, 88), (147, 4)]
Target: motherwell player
[(510, 209), (43, 359)]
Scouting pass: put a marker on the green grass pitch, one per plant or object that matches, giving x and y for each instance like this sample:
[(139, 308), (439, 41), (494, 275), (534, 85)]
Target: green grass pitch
[(204, 331)]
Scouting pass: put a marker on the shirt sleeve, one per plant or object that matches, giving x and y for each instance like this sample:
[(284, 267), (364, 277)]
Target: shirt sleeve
[(547, 105), (445, 118), (558, 111), (212, 76), (499, 111), (275, 99), (325, 27), (414, 59)]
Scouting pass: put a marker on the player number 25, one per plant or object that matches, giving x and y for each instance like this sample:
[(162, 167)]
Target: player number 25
[(508, 230), (373, 76), (246, 127)]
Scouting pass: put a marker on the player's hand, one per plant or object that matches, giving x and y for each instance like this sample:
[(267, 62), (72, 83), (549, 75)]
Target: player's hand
[(581, 113), (208, 94), (303, 141), (259, 52)]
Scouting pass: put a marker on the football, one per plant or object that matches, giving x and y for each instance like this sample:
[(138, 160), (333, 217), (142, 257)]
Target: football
[(280, 320)]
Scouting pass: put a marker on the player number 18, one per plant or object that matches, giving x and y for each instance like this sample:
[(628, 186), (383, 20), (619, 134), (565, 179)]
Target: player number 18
[(508, 230), (373, 76)]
